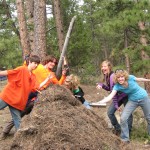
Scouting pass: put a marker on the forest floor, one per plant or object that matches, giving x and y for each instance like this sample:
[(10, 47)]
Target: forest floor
[(91, 95)]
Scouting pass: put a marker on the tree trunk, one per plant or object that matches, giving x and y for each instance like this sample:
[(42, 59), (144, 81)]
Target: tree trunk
[(22, 28), (29, 5), (40, 28), (147, 84), (126, 46), (92, 25), (143, 41), (105, 48), (144, 55), (59, 23)]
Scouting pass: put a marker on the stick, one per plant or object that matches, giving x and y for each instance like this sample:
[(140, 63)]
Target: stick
[(39, 91)]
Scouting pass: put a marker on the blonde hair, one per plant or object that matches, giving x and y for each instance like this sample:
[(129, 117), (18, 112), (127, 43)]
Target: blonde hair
[(75, 80), (110, 66), (119, 73), (108, 63)]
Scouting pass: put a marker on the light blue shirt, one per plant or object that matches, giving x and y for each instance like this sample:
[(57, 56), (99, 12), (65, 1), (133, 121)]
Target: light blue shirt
[(134, 91)]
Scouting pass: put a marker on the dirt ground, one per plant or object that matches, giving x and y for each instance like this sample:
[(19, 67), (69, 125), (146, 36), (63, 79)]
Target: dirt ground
[(105, 134)]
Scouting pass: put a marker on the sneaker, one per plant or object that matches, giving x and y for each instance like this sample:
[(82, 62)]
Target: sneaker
[(3, 136)]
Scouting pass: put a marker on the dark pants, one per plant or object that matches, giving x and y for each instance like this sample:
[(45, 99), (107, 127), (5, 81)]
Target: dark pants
[(111, 114)]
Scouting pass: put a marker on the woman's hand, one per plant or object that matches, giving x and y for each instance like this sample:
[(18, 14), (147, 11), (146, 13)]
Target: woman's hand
[(99, 86), (64, 71), (119, 109)]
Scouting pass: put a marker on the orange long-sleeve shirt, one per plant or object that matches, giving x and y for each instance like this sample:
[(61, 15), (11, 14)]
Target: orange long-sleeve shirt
[(20, 84), (54, 80), (42, 73)]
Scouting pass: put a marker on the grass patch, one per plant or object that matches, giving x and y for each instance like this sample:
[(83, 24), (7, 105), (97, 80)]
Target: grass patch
[(139, 130), (139, 134)]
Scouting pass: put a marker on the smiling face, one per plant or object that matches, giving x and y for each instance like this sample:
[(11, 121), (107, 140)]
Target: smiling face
[(51, 64), (121, 76), (121, 79), (106, 67)]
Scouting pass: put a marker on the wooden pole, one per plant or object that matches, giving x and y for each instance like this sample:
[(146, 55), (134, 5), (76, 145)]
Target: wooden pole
[(59, 67)]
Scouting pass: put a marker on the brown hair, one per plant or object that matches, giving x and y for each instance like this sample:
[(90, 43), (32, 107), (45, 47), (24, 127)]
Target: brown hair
[(118, 73), (48, 59), (34, 58)]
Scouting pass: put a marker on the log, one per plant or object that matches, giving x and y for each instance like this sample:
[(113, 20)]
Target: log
[(63, 53)]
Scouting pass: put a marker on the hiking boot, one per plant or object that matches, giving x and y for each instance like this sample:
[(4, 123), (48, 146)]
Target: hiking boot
[(124, 143), (3, 136), (116, 132)]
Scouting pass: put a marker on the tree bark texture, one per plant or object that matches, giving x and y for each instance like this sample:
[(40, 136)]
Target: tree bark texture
[(59, 23), (144, 55), (126, 46), (147, 84), (40, 28), (143, 41), (29, 7), (22, 28)]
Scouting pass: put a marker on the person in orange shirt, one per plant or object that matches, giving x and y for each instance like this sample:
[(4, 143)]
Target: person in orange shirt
[(46, 68), (41, 72), (21, 81)]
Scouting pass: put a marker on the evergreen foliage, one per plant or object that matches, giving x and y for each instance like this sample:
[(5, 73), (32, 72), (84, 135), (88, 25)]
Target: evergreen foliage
[(10, 51), (98, 34)]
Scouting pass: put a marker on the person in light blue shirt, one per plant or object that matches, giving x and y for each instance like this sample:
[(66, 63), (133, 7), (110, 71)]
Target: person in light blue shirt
[(137, 96), (134, 91)]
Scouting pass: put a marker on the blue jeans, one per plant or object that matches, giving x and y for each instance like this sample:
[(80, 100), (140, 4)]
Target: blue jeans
[(111, 114), (86, 104), (15, 113), (128, 110)]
